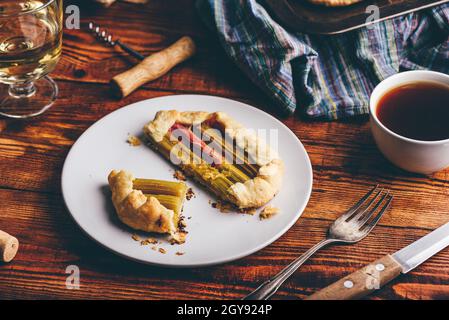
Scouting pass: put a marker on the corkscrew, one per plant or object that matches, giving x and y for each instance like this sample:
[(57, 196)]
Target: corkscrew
[(104, 36), (151, 67)]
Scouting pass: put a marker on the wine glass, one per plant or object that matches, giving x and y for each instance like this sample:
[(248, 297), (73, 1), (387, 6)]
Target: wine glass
[(30, 47)]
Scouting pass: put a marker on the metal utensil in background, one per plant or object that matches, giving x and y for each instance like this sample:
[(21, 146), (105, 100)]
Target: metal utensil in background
[(151, 67), (351, 227), (106, 37), (380, 272)]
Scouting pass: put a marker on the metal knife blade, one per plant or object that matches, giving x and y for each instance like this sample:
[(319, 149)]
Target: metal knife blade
[(419, 251)]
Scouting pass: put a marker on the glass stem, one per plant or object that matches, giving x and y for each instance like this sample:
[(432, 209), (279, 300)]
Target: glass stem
[(22, 90)]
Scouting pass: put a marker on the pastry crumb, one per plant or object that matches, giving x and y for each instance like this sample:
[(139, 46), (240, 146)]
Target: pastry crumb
[(180, 253), (190, 194), (154, 248), (268, 212), (133, 141), (135, 237), (224, 207), (250, 211), (148, 241), (179, 237), (162, 250), (182, 224), (179, 175)]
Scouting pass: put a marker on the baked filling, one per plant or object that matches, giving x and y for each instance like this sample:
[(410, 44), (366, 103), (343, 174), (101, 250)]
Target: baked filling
[(203, 162), (169, 194), (219, 153), (147, 204)]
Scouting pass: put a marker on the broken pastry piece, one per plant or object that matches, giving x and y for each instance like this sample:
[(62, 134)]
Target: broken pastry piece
[(218, 152), (148, 205), (268, 212)]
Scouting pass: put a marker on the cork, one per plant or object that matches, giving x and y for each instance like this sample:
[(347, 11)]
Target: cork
[(8, 246)]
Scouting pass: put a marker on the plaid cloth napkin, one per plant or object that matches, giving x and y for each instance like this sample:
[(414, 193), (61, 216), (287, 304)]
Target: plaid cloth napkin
[(327, 76)]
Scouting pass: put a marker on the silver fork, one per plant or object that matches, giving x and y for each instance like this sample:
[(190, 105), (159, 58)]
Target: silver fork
[(351, 227)]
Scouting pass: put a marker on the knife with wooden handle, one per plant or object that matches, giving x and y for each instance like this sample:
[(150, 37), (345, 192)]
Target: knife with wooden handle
[(374, 276)]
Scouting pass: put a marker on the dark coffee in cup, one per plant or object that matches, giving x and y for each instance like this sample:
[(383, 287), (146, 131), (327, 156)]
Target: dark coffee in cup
[(417, 110)]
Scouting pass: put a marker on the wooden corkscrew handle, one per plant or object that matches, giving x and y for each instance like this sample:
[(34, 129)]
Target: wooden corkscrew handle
[(153, 67), (8, 247)]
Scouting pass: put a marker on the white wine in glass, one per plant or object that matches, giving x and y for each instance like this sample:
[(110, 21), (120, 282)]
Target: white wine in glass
[(30, 47)]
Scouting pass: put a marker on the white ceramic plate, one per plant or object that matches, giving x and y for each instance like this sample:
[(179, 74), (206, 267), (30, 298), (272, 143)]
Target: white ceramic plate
[(214, 237)]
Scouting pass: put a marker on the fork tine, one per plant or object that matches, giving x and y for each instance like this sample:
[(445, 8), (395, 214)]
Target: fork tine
[(359, 215), (367, 228), (354, 208), (373, 210)]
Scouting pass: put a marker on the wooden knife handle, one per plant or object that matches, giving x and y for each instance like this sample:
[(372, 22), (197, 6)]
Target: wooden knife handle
[(362, 282), (153, 66)]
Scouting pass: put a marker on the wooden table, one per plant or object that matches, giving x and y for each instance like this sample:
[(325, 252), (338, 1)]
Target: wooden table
[(344, 158)]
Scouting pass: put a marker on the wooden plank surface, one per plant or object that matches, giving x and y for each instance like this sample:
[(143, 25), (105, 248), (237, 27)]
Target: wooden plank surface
[(344, 158)]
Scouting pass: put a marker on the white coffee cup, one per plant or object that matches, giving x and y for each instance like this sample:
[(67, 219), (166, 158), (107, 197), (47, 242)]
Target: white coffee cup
[(409, 154)]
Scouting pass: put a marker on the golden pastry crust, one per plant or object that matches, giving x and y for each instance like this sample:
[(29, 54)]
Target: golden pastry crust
[(334, 3), (256, 192), (253, 193), (137, 210)]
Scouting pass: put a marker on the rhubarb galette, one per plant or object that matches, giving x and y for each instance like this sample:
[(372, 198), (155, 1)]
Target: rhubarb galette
[(148, 205), (218, 152)]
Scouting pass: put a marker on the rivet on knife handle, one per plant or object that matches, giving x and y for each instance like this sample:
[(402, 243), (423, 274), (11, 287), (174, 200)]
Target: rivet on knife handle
[(153, 67), (362, 282)]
